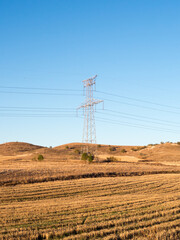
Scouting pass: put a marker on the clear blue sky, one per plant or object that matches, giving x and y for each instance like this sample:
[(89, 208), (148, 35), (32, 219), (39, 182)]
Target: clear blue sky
[(133, 47)]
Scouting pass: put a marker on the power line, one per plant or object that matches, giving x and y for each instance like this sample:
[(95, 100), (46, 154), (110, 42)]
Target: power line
[(137, 117), (37, 110), (56, 108), (42, 93), (105, 120), (76, 90), (43, 89), (37, 115), (138, 100), (159, 123), (135, 105), (72, 110), (136, 125)]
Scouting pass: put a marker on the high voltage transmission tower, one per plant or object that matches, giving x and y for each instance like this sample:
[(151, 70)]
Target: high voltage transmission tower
[(89, 132)]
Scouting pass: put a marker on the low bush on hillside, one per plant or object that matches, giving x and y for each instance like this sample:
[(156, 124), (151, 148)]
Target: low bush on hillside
[(138, 148), (110, 159), (87, 157), (39, 157), (123, 150), (77, 151), (152, 144), (111, 149), (134, 149), (84, 156), (143, 155), (90, 158)]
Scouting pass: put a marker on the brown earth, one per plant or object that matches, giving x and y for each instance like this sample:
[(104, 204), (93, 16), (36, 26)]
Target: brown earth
[(19, 162), (13, 148), (127, 192)]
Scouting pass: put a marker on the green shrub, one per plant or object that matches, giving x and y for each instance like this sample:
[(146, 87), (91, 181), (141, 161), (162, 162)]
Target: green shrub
[(90, 158), (67, 147), (138, 148), (123, 150), (111, 159), (84, 156), (99, 145), (77, 151), (40, 157), (143, 147), (87, 156), (112, 149), (134, 149)]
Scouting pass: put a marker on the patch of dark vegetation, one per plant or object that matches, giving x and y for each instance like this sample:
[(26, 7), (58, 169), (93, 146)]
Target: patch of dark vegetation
[(138, 148), (77, 151), (110, 159), (152, 144), (87, 157), (39, 157), (14, 182), (112, 149), (123, 150)]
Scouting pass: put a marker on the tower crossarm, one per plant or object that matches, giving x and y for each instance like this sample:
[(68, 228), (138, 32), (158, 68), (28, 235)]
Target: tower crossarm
[(88, 104), (89, 82)]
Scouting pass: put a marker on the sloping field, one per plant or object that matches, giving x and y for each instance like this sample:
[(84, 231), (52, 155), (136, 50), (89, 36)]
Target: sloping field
[(21, 171), (137, 207), (134, 196), (13, 148), (64, 163)]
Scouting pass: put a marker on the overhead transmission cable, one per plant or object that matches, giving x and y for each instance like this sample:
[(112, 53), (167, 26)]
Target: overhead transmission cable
[(140, 106), (42, 93), (76, 90), (37, 115), (138, 100), (138, 117), (136, 125), (106, 120), (43, 89)]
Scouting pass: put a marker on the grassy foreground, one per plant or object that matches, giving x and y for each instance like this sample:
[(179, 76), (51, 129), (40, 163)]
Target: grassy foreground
[(133, 207)]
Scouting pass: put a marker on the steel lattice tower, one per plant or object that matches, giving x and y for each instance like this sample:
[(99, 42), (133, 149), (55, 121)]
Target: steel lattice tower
[(89, 132)]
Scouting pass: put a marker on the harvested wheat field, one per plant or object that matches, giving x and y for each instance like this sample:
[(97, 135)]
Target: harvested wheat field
[(63, 197)]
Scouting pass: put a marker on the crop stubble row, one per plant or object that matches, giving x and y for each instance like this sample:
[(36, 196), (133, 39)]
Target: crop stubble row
[(92, 208)]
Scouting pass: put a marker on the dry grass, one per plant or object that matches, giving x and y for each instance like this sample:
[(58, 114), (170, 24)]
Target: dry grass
[(17, 147), (127, 199), (18, 170), (146, 207)]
